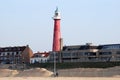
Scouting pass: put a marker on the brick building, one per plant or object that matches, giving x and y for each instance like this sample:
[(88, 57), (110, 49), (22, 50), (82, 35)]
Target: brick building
[(15, 55)]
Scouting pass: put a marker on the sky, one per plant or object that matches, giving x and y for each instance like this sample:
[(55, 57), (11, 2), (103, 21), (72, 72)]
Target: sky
[(29, 22)]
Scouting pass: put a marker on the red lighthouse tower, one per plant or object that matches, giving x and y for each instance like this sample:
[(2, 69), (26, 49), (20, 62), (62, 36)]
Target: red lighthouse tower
[(57, 33)]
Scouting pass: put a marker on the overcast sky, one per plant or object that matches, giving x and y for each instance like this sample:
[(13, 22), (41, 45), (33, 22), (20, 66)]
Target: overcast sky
[(30, 22)]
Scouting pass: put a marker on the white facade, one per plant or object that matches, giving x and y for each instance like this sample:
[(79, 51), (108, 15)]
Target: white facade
[(39, 60)]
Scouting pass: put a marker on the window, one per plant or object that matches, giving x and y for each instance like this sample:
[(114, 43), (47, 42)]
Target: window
[(8, 53), (105, 53), (118, 52), (6, 49), (13, 53), (41, 60), (90, 53), (17, 53), (104, 58), (93, 54), (45, 60), (117, 58), (56, 14), (74, 54), (111, 47), (86, 53), (1, 54), (66, 54), (31, 61)]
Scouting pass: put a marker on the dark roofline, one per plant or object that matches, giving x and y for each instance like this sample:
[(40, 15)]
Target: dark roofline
[(108, 44), (14, 48)]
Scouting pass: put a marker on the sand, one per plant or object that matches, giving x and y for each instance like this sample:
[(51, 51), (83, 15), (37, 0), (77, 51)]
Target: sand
[(59, 78), (36, 72), (66, 74), (90, 72)]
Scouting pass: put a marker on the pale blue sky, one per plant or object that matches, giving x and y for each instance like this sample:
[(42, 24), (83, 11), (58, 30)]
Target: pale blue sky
[(30, 22)]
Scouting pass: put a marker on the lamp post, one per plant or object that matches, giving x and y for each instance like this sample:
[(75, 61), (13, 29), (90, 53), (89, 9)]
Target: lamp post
[(54, 63)]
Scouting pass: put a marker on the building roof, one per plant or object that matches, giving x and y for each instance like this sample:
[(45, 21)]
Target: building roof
[(85, 47), (79, 47), (109, 46), (40, 54), (12, 49)]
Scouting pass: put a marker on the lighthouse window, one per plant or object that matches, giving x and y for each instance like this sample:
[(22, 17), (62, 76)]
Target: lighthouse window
[(56, 13)]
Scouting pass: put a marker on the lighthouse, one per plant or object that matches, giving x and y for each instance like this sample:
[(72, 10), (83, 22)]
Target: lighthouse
[(57, 33)]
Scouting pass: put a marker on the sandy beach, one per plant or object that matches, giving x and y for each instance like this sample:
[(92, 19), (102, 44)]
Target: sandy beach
[(59, 78), (64, 74)]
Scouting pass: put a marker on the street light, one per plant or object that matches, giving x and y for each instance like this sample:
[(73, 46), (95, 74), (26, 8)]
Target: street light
[(54, 63)]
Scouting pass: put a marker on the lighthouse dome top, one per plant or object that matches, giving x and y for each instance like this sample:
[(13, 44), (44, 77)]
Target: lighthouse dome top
[(57, 14)]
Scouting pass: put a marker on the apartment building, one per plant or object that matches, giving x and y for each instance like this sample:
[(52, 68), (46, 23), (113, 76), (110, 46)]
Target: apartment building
[(87, 53), (15, 55)]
